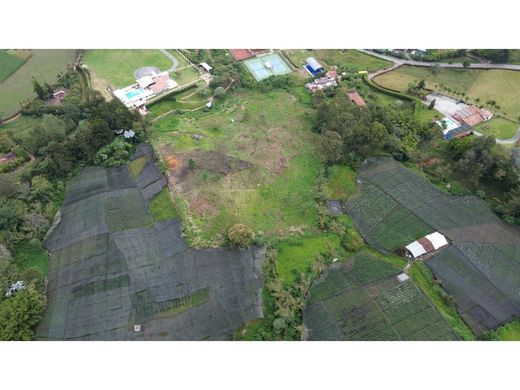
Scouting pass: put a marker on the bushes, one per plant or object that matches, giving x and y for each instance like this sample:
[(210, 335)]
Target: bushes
[(19, 314), (240, 235)]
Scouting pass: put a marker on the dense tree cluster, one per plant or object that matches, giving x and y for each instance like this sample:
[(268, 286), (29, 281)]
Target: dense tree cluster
[(349, 134), (495, 55)]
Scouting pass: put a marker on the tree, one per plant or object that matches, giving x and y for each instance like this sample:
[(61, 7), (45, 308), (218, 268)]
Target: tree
[(42, 92), (466, 63), (431, 106), (219, 92), (435, 68), (240, 235), (333, 146), (19, 314), (421, 84), (41, 189)]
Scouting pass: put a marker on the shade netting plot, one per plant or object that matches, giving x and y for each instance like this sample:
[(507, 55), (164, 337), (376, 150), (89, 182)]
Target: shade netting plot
[(482, 304), (361, 299), (396, 206), (116, 275)]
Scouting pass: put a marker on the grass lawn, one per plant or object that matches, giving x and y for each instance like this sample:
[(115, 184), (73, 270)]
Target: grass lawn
[(117, 66), (188, 99), (275, 194), (328, 57), (44, 65), (341, 182), (298, 255), (503, 86), (161, 206), (499, 128), (29, 253), (8, 64)]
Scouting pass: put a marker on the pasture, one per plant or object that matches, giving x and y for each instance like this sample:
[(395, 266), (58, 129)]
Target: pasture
[(480, 86), (250, 165), (9, 63), (348, 58), (44, 65), (361, 299)]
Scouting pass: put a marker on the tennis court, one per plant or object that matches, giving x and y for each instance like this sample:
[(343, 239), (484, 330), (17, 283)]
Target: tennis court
[(267, 66)]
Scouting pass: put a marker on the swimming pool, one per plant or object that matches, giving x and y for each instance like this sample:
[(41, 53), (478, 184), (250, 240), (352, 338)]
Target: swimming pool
[(450, 124), (133, 93)]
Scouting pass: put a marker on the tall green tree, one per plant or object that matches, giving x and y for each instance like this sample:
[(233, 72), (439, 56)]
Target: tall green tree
[(19, 314)]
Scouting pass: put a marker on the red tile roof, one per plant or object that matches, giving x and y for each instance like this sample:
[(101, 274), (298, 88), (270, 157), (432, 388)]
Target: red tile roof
[(358, 100)]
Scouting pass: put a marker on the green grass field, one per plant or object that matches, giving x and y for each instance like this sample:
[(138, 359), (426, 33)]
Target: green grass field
[(44, 65), (348, 58), (188, 99), (503, 86), (276, 194), (8, 64), (117, 66), (161, 206), (29, 253), (499, 128), (299, 254), (341, 182)]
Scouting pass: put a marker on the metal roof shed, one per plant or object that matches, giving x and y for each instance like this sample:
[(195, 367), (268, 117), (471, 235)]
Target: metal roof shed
[(315, 65)]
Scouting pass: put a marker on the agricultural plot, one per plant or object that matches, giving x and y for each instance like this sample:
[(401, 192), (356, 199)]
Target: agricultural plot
[(481, 267), (44, 65), (114, 274), (361, 299), (503, 86)]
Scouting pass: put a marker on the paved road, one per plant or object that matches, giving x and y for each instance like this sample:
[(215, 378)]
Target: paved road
[(513, 140), (175, 62), (401, 61)]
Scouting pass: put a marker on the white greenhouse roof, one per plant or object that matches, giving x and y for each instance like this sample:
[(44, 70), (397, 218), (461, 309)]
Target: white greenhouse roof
[(437, 240), (416, 249)]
